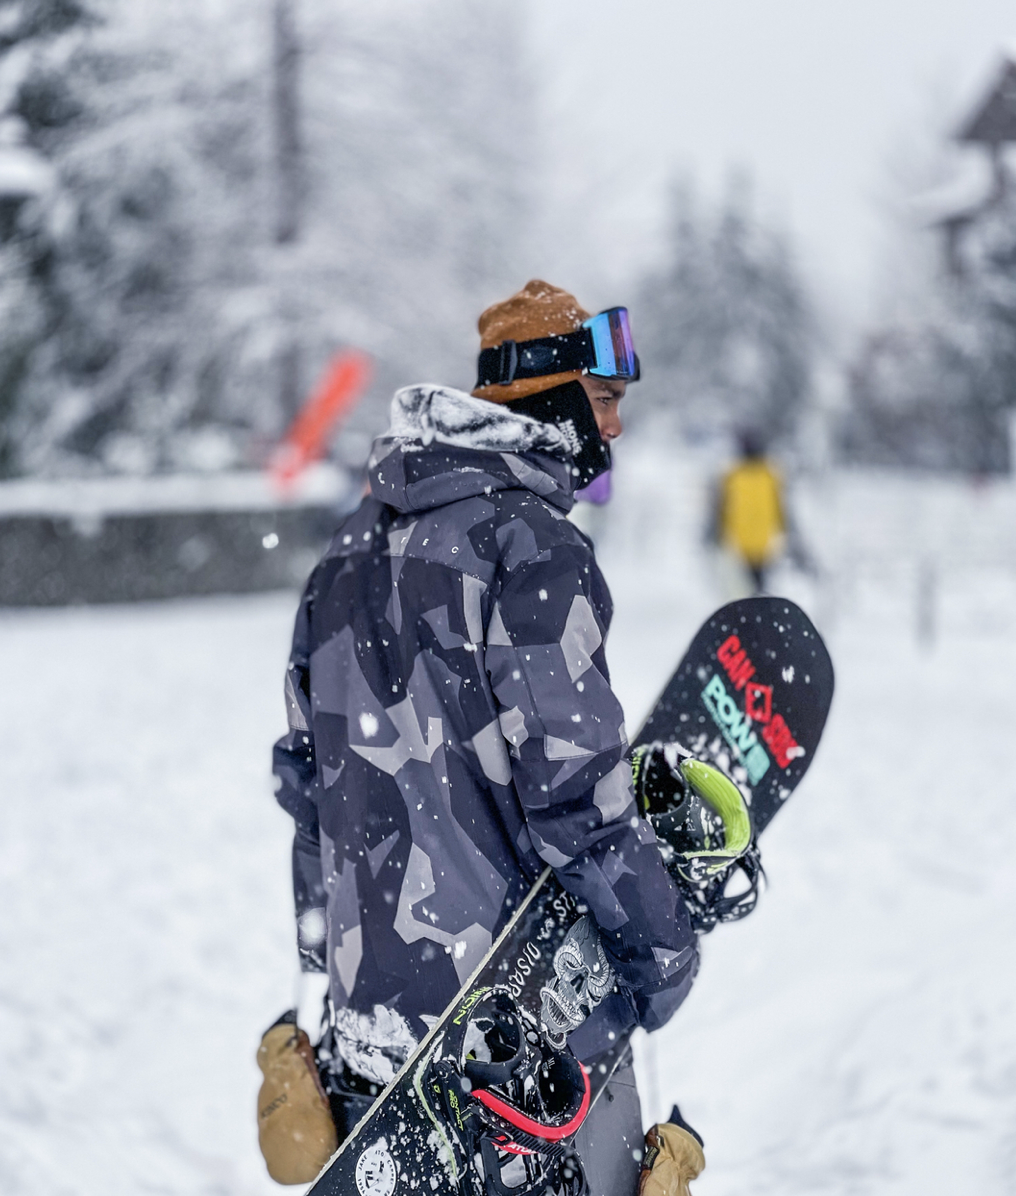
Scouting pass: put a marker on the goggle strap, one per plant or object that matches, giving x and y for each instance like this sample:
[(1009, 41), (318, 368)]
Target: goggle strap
[(536, 358)]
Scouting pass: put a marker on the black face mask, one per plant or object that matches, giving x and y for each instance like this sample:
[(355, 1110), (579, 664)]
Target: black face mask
[(568, 407)]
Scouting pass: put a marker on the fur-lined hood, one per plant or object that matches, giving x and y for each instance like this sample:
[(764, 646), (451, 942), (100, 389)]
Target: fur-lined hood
[(444, 445)]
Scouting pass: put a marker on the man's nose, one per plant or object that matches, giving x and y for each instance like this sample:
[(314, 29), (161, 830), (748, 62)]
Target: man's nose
[(611, 428)]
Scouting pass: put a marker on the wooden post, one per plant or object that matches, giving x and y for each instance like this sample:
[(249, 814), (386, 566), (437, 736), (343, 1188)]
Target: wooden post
[(286, 113), (288, 192), (927, 602)]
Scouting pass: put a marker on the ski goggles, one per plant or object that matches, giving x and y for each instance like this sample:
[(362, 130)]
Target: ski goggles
[(602, 347), (613, 348)]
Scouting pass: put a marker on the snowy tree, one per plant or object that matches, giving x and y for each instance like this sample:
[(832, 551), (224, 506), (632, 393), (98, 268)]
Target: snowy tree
[(168, 308), (135, 254), (933, 388), (726, 330), (33, 41), (418, 159)]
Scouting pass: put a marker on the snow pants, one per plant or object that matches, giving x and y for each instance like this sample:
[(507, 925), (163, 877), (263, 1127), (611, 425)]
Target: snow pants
[(610, 1142)]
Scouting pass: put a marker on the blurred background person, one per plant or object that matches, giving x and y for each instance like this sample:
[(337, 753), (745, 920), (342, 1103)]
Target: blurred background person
[(747, 519)]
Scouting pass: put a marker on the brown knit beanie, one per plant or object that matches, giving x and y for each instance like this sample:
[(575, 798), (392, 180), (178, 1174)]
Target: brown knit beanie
[(539, 309)]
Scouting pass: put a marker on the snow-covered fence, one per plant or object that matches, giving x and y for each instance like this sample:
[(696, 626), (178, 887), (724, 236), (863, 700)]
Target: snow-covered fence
[(934, 551), (130, 539), (930, 555)]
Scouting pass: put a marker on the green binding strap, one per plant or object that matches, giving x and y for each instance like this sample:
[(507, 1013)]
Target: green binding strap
[(725, 798), (638, 763)]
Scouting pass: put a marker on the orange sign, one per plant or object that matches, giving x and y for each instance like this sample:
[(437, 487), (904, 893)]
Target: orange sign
[(306, 440)]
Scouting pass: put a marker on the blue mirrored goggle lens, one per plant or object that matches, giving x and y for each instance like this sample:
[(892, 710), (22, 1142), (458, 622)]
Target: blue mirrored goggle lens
[(612, 344)]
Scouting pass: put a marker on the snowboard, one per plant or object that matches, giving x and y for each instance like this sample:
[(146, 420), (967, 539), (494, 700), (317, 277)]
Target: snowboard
[(751, 695)]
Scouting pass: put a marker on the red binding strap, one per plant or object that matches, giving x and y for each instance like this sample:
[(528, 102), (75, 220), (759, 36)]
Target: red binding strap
[(552, 1133)]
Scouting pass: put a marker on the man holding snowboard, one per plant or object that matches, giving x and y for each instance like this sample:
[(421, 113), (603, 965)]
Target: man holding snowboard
[(453, 731)]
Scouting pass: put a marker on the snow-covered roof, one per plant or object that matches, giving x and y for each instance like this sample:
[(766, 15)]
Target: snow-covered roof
[(240, 490), (964, 194), (993, 120), (23, 172)]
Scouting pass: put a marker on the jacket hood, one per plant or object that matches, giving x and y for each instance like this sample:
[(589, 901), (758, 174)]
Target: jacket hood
[(444, 445)]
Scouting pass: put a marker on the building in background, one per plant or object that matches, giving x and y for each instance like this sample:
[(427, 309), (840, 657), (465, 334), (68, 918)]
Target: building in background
[(936, 386), (992, 128)]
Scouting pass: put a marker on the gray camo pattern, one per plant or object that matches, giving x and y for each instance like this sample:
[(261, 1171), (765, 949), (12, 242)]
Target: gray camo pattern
[(453, 730)]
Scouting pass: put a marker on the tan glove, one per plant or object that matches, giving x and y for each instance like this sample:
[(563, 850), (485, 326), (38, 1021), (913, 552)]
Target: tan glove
[(295, 1128), (672, 1160)]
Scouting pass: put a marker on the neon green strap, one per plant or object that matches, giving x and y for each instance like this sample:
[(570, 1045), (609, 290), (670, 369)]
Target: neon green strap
[(725, 798)]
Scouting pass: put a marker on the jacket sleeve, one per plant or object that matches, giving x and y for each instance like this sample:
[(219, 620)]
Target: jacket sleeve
[(295, 768), (570, 766)]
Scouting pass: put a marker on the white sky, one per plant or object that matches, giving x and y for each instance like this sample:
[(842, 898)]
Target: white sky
[(815, 97)]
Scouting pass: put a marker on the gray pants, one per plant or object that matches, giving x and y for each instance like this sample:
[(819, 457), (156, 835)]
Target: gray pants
[(610, 1142)]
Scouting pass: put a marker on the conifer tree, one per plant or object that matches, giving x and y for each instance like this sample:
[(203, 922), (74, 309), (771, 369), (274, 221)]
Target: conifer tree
[(726, 327), (165, 304)]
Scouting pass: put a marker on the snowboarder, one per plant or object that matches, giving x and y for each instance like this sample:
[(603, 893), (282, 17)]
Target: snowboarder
[(748, 519), (452, 730)]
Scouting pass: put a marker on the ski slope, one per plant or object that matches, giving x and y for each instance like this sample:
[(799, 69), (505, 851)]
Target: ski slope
[(857, 1034)]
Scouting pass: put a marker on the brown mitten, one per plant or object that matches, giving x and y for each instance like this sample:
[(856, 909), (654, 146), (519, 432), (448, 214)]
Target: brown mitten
[(672, 1160), (295, 1127)]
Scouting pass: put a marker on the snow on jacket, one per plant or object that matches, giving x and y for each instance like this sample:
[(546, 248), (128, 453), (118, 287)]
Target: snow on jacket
[(453, 730)]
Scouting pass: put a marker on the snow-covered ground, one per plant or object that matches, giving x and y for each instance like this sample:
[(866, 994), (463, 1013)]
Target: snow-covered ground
[(857, 1034), (145, 932)]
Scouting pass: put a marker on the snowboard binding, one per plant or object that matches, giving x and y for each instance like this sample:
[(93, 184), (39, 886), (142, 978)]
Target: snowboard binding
[(707, 839), (505, 1102)]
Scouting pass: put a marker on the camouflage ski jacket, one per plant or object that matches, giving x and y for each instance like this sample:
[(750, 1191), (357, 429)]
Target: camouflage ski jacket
[(453, 730)]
